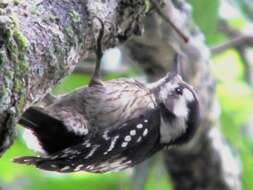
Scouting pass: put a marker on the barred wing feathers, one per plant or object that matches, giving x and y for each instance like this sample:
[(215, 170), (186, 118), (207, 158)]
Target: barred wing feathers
[(108, 150)]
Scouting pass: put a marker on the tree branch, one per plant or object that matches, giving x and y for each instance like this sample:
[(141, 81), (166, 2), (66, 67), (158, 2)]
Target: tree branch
[(241, 40)]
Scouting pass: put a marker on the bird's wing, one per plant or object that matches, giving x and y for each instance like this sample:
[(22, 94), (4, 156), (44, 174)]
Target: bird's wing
[(112, 149), (51, 132)]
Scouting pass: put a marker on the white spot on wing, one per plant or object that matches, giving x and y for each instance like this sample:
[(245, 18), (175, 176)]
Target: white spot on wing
[(145, 121), (128, 138), (139, 139), (88, 145), (64, 155), (139, 126), (86, 142), (27, 160), (65, 168), (112, 143), (53, 166), (92, 151), (54, 157), (78, 168), (145, 132), (105, 135), (124, 144), (90, 167), (68, 151), (133, 132)]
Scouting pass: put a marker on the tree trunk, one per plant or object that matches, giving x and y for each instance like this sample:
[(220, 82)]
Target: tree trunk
[(41, 41), (207, 161)]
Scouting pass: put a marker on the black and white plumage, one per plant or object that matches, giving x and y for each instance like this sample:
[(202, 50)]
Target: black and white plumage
[(105, 150), (112, 125)]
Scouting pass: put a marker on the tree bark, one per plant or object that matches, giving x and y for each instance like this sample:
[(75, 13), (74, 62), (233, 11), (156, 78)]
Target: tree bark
[(207, 161), (41, 41)]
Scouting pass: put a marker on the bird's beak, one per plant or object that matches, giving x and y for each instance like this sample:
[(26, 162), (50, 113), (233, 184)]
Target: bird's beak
[(177, 65)]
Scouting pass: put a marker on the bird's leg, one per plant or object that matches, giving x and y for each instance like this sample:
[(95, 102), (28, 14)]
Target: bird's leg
[(95, 80)]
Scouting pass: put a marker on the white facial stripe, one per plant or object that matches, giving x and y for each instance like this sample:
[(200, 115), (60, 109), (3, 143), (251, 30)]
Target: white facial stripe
[(174, 130), (188, 95), (180, 108)]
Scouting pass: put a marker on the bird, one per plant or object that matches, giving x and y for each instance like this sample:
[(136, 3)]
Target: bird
[(112, 125)]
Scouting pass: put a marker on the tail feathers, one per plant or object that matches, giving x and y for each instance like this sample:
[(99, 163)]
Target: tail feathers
[(34, 118), (29, 160), (52, 134), (48, 164), (118, 148)]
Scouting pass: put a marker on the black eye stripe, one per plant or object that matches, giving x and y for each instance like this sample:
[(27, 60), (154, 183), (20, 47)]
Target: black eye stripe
[(179, 90)]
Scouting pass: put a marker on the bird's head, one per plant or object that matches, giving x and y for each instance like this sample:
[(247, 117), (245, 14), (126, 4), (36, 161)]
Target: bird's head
[(179, 106)]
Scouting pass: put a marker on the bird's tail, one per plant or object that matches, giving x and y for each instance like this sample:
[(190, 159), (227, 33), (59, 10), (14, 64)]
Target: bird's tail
[(52, 134), (34, 118)]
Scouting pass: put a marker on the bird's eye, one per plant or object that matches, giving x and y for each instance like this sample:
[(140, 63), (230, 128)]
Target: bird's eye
[(179, 90)]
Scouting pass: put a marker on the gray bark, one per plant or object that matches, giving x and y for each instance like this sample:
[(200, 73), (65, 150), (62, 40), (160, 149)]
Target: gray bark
[(41, 41), (207, 162)]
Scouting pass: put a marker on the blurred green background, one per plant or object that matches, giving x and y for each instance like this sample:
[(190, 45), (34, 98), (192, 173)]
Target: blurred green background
[(234, 92)]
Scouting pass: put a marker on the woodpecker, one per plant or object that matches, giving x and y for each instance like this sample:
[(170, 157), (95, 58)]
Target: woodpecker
[(112, 125)]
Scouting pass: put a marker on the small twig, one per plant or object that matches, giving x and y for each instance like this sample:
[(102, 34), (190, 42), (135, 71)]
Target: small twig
[(240, 42), (237, 39), (233, 43), (167, 19)]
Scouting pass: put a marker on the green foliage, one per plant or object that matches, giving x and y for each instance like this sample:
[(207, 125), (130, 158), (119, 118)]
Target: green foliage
[(205, 14), (236, 101), (30, 178), (246, 8)]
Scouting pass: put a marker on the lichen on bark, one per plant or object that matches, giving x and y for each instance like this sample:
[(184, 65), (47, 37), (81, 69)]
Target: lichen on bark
[(13, 83), (16, 46)]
